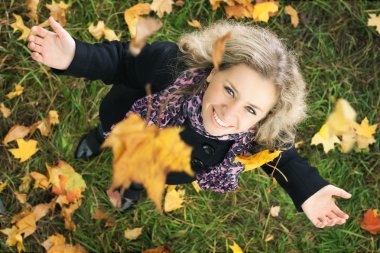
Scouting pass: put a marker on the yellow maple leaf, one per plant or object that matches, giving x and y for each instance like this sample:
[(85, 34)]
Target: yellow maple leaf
[(4, 110), (31, 5), (98, 30), (364, 129), (25, 149), (57, 11), (374, 20), (133, 234), (236, 248), (145, 28), (327, 140), (173, 199), (341, 119), (19, 89), (145, 155), (14, 238), (18, 25), (262, 10), (364, 142), (131, 16), (293, 15), (161, 6), (258, 159)]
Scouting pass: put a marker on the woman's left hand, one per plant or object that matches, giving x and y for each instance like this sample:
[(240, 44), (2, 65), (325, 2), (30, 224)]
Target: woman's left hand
[(321, 208)]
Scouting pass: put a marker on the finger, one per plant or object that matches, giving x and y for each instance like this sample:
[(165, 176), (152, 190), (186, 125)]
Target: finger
[(320, 223), (37, 57), (339, 212), (340, 221), (341, 193), (36, 48), (57, 27), (42, 32), (35, 39)]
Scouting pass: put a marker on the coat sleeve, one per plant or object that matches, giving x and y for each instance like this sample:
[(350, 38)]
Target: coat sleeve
[(302, 180), (112, 63)]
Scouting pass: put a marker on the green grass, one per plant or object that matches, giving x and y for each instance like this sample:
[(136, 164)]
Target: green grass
[(339, 57)]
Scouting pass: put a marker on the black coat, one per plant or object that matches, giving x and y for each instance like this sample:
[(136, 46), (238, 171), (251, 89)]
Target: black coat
[(158, 65)]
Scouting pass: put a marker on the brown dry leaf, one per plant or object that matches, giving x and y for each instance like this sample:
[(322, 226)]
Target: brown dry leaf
[(18, 25), (161, 6), (160, 249), (194, 23), (218, 49), (145, 28), (40, 181), (173, 199), (216, 3), (100, 215), (374, 20), (324, 138), (235, 248), (45, 125), (238, 11), (25, 149), (179, 3), (4, 110), (274, 211), (18, 89), (262, 11), (31, 5), (98, 30), (131, 16), (67, 213), (133, 234), (371, 221), (293, 15), (145, 155), (269, 237), (16, 132), (21, 197), (258, 159), (57, 11), (115, 198), (57, 243)]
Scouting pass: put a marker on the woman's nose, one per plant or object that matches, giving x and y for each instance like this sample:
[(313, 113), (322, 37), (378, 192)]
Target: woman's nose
[(230, 114)]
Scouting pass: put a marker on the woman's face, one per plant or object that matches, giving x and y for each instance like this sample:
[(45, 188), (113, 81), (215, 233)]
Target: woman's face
[(235, 100)]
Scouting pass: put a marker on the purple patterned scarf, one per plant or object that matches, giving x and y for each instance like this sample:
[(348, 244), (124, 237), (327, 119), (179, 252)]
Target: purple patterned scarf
[(222, 177)]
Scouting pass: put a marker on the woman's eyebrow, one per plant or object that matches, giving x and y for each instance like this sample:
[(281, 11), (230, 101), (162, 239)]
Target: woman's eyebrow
[(237, 92)]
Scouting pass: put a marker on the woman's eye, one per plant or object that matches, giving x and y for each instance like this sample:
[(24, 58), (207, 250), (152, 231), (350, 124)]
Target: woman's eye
[(250, 110), (229, 91)]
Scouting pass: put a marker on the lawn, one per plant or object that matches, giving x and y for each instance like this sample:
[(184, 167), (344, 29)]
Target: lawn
[(339, 57)]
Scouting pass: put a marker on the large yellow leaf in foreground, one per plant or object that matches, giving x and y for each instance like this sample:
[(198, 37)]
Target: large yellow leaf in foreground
[(146, 155)]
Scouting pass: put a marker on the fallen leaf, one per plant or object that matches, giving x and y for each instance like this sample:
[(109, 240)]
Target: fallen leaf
[(196, 186), (21, 197), (57, 11), (293, 15), (67, 213), (238, 11), (364, 142), (194, 23), (179, 3), (25, 183), (160, 249), (133, 234), (257, 160), (364, 129), (174, 200), (341, 120), (131, 16), (216, 3), (374, 20), (3, 185), (261, 11), (41, 181), (145, 28), (31, 5), (18, 89), (25, 149), (45, 125), (348, 141), (14, 237), (110, 35), (298, 144), (269, 237), (161, 6), (322, 137), (57, 243), (115, 198), (218, 49), (274, 211), (16, 132), (4, 110), (18, 25), (371, 221), (98, 30), (100, 215), (235, 248)]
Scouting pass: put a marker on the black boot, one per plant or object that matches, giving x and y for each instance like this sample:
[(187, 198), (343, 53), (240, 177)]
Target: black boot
[(89, 144), (131, 196)]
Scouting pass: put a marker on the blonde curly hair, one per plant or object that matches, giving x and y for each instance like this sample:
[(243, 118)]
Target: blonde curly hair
[(264, 52)]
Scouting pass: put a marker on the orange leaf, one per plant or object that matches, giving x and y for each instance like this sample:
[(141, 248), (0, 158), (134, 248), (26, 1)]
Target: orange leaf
[(4, 110), (160, 249), (131, 16), (16, 132), (218, 49), (237, 11), (18, 89), (293, 15), (41, 181), (145, 28), (31, 5), (56, 243), (67, 213), (132, 234), (57, 11), (262, 11), (161, 6), (371, 221)]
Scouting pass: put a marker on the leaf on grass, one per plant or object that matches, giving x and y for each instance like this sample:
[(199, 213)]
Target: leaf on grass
[(161, 6), (160, 249), (374, 20), (179, 3), (21, 197), (235, 248), (115, 198), (18, 89), (25, 149), (3, 185), (25, 183), (173, 199), (57, 11), (16, 132), (262, 11), (364, 129), (110, 34), (324, 138), (269, 237), (216, 3), (238, 11), (5, 111), (133, 234), (67, 213), (31, 5), (258, 159), (371, 221), (348, 141), (40, 180), (45, 125), (196, 186), (98, 30), (18, 25), (194, 23), (145, 28), (145, 155), (293, 15), (274, 211), (100, 215), (132, 15), (218, 49), (57, 243), (341, 119)]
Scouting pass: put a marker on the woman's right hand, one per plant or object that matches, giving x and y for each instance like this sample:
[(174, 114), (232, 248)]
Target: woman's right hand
[(54, 49)]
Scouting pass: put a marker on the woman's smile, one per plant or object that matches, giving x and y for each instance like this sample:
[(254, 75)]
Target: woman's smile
[(217, 121)]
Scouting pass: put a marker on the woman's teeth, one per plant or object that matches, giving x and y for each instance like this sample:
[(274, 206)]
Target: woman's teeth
[(219, 121)]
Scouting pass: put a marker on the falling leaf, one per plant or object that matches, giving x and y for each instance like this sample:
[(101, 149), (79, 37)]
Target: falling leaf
[(348, 141), (16, 132), (57, 243), (145, 28), (173, 199), (196, 186), (218, 49), (274, 211), (371, 221), (41, 181), (18, 90), (31, 5), (269, 237), (131, 16), (262, 10), (25, 149), (293, 15), (18, 25), (194, 23), (4, 110), (57, 11), (144, 155), (235, 248), (364, 129), (161, 6), (115, 198), (21, 197), (98, 30), (258, 159), (374, 20), (132, 234), (322, 137), (341, 119)]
